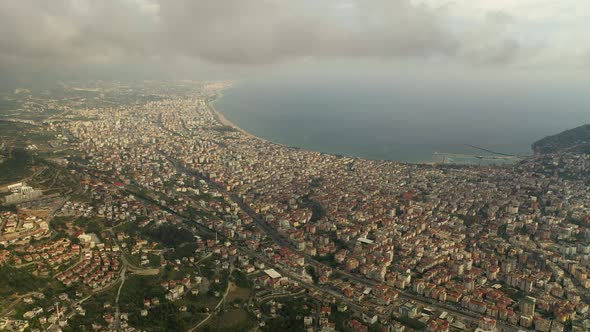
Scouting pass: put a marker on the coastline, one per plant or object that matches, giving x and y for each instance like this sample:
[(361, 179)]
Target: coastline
[(222, 119), (226, 122)]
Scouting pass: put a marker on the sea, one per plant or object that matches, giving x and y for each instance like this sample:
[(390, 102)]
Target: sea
[(402, 120)]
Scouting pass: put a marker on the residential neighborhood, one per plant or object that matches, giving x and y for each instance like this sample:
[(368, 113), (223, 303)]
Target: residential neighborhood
[(174, 209)]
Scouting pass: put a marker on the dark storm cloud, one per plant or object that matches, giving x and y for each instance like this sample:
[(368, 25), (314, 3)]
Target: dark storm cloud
[(225, 31)]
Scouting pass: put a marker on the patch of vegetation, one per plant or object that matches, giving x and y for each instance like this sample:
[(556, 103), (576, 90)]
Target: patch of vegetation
[(38, 114), (289, 317), (469, 220), (205, 196), (241, 279), (17, 166), (22, 134), (413, 323), (187, 250), (327, 259), (194, 213), (221, 286), (12, 130), (575, 140), (164, 317), (8, 208), (313, 273), (170, 235), (7, 104), (231, 320), (137, 288), (19, 281), (94, 307), (154, 260), (60, 224), (316, 182), (225, 129), (94, 227), (317, 210)]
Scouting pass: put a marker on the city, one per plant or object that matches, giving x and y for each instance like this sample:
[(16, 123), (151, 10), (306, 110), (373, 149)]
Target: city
[(144, 208)]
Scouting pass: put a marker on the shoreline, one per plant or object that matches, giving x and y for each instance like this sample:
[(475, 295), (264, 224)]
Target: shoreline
[(226, 122), (223, 120)]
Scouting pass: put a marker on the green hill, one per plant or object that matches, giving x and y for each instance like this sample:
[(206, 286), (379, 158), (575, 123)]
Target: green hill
[(575, 140)]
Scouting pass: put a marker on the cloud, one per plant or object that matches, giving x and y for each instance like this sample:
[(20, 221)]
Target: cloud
[(66, 30), (238, 31), (225, 31), (265, 31), (497, 53), (492, 40), (499, 17)]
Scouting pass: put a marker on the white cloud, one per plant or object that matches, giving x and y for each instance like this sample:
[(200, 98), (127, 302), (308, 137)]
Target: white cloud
[(550, 33)]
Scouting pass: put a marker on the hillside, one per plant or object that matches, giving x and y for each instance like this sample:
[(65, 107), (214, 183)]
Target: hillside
[(575, 140)]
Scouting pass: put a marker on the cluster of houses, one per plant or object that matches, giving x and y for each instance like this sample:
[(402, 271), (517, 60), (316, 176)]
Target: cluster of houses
[(53, 254), (176, 289), (444, 234), (96, 269), (21, 229)]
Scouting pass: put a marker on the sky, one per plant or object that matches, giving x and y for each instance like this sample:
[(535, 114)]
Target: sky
[(244, 38)]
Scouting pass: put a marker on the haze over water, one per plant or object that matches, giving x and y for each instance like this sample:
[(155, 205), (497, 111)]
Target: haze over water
[(404, 120)]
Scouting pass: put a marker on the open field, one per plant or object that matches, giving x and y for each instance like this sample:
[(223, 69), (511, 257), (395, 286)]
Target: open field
[(238, 293), (231, 320)]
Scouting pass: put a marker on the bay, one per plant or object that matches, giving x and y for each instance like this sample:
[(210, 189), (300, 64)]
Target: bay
[(403, 120)]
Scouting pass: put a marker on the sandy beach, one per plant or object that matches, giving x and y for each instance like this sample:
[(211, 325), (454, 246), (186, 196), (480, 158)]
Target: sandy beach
[(226, 122)]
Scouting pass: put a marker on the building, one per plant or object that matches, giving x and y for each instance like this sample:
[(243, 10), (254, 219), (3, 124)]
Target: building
[(22, 193), (272, 273), (487, 324), (408, 310), (527, 306)]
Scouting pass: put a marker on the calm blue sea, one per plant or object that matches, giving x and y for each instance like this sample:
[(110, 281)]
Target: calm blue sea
[(400, 119)]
